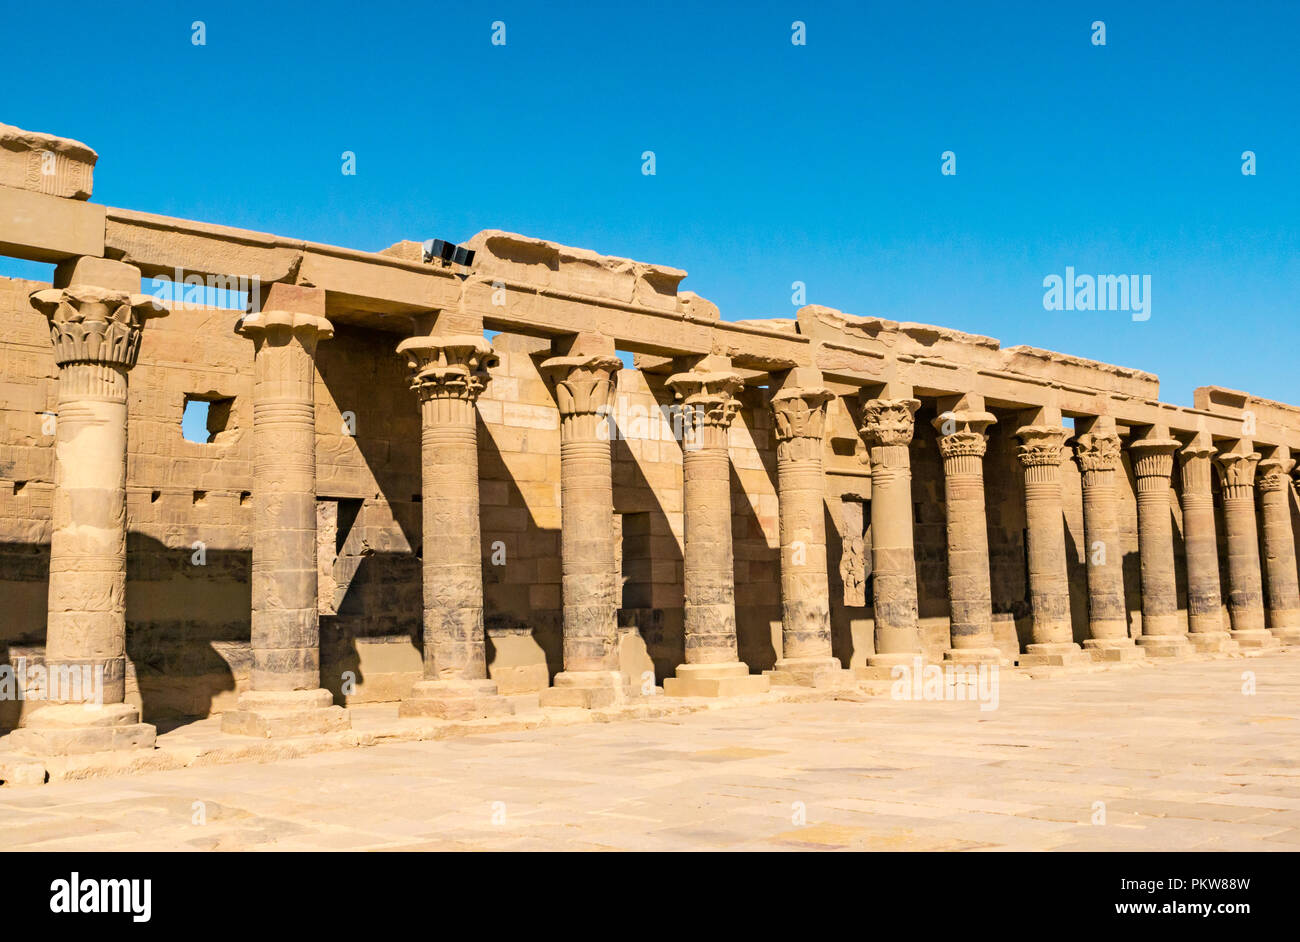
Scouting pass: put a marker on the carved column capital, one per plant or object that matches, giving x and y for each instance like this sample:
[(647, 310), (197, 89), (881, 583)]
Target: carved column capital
[(1153, 458), (1275, 473), (709, 401), (888, 421), (1098, 451), (963, 434), (584, 384), (800, 415), (1042, 446), (89, 324), (448, 367), (1237, 473)]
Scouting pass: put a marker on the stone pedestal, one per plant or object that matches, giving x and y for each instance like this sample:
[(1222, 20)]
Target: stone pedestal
[(887, 430), (962, 443), (799, 412), (449, 371), (1163, 634), (1206, 632), (96, 318), (1245, 586), (286, 697), (1097, 452), (708, 397), (1052, 636), (1279, 548), (584, 388)]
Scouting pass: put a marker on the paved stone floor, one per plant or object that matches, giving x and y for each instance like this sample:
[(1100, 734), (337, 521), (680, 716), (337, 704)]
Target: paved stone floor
[(1174, 756)]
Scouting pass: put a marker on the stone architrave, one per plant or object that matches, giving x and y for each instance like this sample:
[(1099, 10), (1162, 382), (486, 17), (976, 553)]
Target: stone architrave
[(286, 697), (709, 398), (1245, 586), (1279, 548), (1163, 632), (96, 319), (963, 440), (1052, 644), (584, 389), (799, 413), (448, 374), (1097, 452), (1204, 602)]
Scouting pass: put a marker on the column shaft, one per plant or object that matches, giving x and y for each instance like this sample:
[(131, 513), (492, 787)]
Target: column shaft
[(1162, 629), (1279, 548), (1245, 587), (1098, 456), (1049, 585), (887, 430), (970, 603), (1204, 603)]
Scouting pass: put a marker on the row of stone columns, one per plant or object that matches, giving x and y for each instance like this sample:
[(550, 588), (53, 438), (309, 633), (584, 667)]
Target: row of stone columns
[(96, 317)]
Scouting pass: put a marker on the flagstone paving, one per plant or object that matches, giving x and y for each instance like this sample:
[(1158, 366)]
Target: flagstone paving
[(1174, 756)]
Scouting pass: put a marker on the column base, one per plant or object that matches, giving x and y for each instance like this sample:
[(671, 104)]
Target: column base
[(271, 713), (989, 655), (455, 700), (810, 672), (1175, 646), (1286, 635), (65, 729), (715, 680), (1255, 639), (1212, 642), (881, 666), (1113, 649), (1054, 654), (587, 690)]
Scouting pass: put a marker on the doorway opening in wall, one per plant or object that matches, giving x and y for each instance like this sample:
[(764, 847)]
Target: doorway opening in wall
[(205, 416)]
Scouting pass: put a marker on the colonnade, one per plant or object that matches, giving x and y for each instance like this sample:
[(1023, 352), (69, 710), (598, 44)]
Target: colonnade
[(97, 316)]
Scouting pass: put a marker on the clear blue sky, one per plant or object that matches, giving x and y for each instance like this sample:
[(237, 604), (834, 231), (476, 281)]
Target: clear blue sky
[(775, 162)]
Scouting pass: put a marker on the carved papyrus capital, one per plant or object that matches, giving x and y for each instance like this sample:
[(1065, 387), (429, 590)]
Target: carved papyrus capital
[(1275, 473), (1042, 446), (888, 421), (89, 324), (962, 433), (1098, 451), (800, 415), (1237, 473), (1153, 458), (709, 401), (448, 367)]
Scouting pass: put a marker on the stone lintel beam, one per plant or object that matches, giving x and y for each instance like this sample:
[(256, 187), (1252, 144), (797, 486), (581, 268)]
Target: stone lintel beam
[(44, 228)]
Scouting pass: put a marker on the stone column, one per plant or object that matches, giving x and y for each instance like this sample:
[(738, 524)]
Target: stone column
[(449, 371), (1204, 604), (1245, 588), (887, 430), (1279, 547), (1163, 634), (1097, 451), (799, 411), (962, 443), (1053, 644), (286, 697), (708, 394), (584, 389), (96, 318)]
